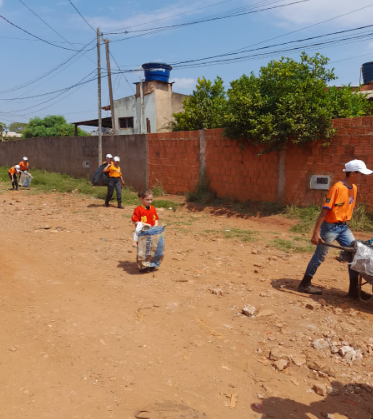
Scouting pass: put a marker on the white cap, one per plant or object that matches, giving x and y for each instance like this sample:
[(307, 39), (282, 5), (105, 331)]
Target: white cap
[(25, 159), (109, 156), (17, 168), (116, 158), (357, 166)]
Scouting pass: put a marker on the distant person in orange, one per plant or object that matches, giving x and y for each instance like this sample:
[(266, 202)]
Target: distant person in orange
[(115, 181), (24, 164), (145, 213), (12, 172), (109, 159)]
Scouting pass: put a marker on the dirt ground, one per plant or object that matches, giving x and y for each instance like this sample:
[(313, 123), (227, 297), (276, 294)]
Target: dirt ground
[(85, 335)]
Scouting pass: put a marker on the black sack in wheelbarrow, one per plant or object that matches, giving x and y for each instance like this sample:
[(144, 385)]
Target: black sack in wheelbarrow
[(99, 177)]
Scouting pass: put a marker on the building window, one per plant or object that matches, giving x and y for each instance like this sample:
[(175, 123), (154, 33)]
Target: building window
[(125, 123)]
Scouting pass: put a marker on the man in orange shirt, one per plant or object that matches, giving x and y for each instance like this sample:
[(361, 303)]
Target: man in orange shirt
[(24, 165), (332, 225), (12, 172), (115, 181)]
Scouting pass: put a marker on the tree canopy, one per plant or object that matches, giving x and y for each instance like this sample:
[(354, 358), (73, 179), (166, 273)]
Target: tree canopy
[(204, 108), (50, 126), (289, 101), (17, 127)]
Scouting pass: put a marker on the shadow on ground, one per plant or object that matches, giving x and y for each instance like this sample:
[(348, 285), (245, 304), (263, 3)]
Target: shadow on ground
[(353, 401), (332, 296)]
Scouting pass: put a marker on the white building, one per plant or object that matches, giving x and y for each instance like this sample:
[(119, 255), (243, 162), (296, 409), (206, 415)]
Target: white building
[(149, 110)]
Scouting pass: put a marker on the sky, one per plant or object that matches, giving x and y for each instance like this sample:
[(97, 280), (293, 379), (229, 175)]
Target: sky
[(59, 50)]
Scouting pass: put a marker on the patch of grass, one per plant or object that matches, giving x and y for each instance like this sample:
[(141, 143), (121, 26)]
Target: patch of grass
[(307, 217), (289, 246), (201, 193), (235, 233), (164, 203), (158, 189), (44, 181), (362, 220)]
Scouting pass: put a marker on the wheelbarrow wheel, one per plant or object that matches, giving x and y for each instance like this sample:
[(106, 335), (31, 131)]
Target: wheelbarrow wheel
[(361, 284)]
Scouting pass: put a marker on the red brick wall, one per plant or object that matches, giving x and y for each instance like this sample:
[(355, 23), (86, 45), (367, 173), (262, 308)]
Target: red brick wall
[(354, 140), (240, 174), (244, 174), (173, 160)]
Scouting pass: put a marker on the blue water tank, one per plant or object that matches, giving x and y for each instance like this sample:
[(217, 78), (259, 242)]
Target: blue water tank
[(367, 71), (157, 71)]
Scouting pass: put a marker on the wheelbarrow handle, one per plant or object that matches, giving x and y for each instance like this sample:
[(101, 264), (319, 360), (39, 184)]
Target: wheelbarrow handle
[(348, 249)]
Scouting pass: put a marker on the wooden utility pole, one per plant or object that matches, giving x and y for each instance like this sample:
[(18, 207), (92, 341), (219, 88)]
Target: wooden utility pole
[(110, 85), (99, 97)]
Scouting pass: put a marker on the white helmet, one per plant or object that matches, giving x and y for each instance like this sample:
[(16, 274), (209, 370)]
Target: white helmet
[(25, 159), (109, 156), (17, 168), (116, 158)]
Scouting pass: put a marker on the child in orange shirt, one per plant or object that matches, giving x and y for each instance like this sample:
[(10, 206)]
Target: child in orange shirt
[(12, 172), (145, 213)]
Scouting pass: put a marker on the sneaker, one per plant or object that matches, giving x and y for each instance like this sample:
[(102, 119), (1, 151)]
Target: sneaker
[(120, 206), (309, 289)]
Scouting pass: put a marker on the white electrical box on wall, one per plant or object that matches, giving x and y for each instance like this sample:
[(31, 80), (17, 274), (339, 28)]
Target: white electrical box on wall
[(86, 164), (321, 182)]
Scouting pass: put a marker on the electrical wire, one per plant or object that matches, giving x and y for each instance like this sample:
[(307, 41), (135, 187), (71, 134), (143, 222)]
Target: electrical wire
[(173, 16), (57, 67), (49, 26), (85, 20), (125, 78), (153, 31), (36, 40), (35, 36)]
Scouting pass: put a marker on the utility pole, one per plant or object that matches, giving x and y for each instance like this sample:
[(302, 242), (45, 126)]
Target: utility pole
[(99, 97), (110, 85)]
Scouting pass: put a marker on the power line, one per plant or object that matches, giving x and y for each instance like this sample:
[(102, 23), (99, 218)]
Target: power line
[(49, 26), (173, 16), (85, 20), (130, 85), (226, 15), (281, 44), (57, 67), (36, 40), (35, 36), (305, 27)]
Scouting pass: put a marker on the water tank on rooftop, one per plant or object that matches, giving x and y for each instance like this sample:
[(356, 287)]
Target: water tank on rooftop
[(367, 71), (157, 71)]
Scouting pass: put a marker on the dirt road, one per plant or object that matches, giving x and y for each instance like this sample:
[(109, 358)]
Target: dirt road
[(84, 335)]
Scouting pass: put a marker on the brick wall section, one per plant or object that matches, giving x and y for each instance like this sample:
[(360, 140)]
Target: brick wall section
[(173, 160), (354, 140), (240, 174)]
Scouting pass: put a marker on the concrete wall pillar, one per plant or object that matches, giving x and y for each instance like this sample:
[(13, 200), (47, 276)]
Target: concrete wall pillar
[(281, 177)]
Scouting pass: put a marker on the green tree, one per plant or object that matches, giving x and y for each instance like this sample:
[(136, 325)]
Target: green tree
[(50, 126), (2, 130), (345, 103), (17, 127), (289, 102), (204, 108)]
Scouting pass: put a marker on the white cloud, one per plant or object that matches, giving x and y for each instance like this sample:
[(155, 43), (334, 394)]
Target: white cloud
[(184, 83), (315, 11)]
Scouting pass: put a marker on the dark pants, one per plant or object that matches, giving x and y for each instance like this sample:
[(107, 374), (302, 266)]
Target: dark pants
[(15, 181), (114, 182)]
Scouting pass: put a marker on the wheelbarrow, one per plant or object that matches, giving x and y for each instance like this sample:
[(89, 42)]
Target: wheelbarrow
[(348, 255)]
